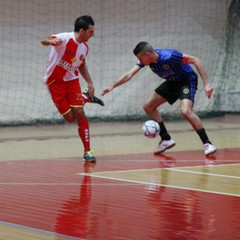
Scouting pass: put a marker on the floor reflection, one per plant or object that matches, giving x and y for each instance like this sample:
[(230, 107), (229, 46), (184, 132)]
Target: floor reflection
[(73, 217)]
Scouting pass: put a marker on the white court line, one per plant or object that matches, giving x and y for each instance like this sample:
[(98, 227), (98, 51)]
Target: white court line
[(170, 169), (36, 230), (164, 185), (203, 173), (214, 165)]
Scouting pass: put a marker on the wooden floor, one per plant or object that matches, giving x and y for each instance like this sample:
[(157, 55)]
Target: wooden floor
[(48, 193)]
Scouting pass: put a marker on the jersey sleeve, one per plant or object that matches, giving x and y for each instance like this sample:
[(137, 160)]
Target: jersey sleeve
[(177, 57), (185, 59), (140, 64), (62, 36), (58, 35)]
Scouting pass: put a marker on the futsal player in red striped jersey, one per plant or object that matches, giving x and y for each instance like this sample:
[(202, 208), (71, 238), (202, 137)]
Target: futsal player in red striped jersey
[(66, 60)]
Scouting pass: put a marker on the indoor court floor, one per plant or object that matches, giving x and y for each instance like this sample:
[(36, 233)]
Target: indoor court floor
[(48, 193)]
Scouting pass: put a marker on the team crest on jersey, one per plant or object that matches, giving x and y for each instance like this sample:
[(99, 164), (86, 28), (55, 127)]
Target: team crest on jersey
[(73, 60), (185, 90), (166, 67)]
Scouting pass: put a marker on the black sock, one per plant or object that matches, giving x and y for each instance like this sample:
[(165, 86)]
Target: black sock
[(203, 136), (163, 132)]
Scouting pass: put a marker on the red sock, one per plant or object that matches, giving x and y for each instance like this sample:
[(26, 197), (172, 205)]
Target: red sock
[(83, 131)]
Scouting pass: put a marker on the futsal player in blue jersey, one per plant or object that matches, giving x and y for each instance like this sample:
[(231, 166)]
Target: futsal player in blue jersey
[(180, 83)]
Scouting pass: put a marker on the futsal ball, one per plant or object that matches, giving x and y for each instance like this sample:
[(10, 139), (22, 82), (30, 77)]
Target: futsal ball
[(151, 129)]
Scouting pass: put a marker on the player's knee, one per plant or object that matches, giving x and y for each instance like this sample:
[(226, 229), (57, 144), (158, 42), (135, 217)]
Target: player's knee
[(147, 108), (186, 112), (69, 118), (79, 113)]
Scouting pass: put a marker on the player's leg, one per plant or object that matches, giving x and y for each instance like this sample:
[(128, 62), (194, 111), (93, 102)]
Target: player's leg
[(151, 105), (150, 108), (77, 102), (67, 115), (84, 133), (68, 99), (186, 107), (58, 93)]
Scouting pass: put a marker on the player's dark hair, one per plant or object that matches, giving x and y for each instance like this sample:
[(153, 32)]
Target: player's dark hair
[(83, 22), (143, 47)]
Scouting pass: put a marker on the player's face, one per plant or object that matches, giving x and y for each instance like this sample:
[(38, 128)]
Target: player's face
[(86, 34), (144, 58)]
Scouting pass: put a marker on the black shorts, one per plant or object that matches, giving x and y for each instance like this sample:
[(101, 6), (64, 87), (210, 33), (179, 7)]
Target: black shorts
[(172, 90)]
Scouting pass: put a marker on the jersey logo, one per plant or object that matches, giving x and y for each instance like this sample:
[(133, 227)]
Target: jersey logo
[(166, 67), (185, 90), (73, 60), (67, 66)]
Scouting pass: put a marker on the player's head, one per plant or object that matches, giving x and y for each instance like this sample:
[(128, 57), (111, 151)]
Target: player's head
[(83, 22), (143, 47), (85, 26), (144, 52)]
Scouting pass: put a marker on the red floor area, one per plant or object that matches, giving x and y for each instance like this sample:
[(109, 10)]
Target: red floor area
[(52, 196)]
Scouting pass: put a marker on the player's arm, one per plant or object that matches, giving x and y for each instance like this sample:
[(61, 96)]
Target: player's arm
[(86, 76), (123, 79), (194, 60), (51, 41)]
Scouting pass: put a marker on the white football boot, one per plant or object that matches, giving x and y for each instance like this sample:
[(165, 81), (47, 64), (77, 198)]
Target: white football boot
[(209, 149), (164, 145)]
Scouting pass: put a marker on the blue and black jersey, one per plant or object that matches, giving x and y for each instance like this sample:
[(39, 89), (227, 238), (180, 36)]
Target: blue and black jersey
[(170, 66)]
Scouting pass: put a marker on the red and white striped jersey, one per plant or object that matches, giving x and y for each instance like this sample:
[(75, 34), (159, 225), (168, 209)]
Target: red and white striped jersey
[(65, 59)]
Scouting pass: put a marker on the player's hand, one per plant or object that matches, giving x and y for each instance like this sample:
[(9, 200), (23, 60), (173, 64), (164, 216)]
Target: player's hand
[(208, 90), (55, 41), (91, 90), (107, 90)]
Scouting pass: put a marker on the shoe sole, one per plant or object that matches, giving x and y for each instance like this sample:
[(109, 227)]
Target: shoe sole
[(96, 101), (157, 152), (211, 153), (93, 99), (90, 161)]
